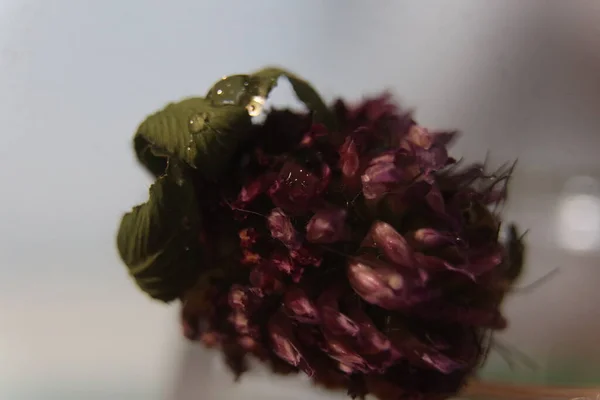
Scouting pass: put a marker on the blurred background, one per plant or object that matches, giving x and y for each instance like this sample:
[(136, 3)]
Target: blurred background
[(518, 78)]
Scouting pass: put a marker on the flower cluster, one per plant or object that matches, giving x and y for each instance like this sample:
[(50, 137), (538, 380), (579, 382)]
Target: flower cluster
[(365, 256)]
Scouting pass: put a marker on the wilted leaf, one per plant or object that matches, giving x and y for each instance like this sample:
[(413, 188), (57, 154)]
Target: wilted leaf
[(158, 240)]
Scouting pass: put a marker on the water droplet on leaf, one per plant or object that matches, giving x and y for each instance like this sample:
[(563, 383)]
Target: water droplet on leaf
[(196, 123), (255, 107), (231, 90)]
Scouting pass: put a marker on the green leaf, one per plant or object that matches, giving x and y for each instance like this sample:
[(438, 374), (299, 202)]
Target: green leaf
[(195, 131), (205, 132), (158, 240)]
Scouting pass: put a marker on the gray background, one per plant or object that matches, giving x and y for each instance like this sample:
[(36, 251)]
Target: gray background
[(518, 78)]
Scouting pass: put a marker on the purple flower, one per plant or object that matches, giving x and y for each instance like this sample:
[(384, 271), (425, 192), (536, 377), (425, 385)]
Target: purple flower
[(326, 226), (379, 267)]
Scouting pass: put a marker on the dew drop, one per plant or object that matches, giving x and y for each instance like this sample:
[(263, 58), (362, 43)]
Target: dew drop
[(256, 105), (196, 123), (231, 90)]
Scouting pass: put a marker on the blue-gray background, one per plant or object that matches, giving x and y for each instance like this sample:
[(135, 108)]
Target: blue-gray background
[(518, 78)]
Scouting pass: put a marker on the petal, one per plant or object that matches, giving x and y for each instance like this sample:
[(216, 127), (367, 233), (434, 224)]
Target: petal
[(435, 200), (420, 137), (375, 285), (349, 159), (300, 306), (421, 353), (394, 245), (377, 178), (349, 360), (285, 344), (432, 159), (427, 238), (387, 171), (475, 264), (373, 341), (383, 285), (326, 226), (333, 320), (282, 229)]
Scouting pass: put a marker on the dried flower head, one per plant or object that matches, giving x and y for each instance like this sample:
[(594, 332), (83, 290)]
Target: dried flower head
[(343, 242)]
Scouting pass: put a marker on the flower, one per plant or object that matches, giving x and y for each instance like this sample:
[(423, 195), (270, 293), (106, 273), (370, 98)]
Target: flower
[(396, 281), (360, 255)]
